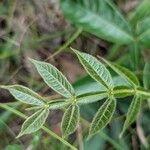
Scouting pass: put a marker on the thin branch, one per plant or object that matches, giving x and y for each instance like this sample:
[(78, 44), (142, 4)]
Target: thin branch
[(70, 40), (21, 115)]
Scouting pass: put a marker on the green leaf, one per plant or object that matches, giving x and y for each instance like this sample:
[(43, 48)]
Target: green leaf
[(146, 75), (143, 30), (34, 122), (95, 69), (25, 95), (132, 113), (14, 147), (146, 80), (99, 17), (124, 72), (54, 78), (141, 11), (103, 116), (70, 120)]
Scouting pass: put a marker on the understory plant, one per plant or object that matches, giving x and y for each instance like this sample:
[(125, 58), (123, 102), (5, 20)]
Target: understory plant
[(70, 101)]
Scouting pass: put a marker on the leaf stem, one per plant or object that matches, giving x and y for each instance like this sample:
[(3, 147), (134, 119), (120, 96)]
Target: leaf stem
[(70, 40), (18, 113), (117, 91)]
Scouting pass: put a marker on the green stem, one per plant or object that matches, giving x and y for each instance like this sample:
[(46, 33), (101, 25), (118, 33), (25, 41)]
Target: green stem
[(115, 92), (143, 93), (70, 40), (16, 112)]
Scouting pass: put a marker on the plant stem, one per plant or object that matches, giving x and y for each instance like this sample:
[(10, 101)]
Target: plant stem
[(18, 113), (70, 40), (129, 91)]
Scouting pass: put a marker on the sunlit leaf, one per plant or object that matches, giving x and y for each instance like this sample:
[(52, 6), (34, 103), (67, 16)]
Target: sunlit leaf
[(95, 69), (124, 72), (103, 116), (99, 17), (25, 95), (54, 78), (70, 120), (34, 122), (132, 113)]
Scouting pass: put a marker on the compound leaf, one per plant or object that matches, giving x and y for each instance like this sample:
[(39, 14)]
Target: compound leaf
[(34, 122), (25, 95), (124, 72), (54, 78), (95, 69), (70, 120), (98, 17), (132, 113), (103, 116)]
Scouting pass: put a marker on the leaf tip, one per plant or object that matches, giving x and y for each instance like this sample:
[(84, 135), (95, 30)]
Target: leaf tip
[(19, 135), (32, 60), (121, 134), (89, 137), (74, 50)]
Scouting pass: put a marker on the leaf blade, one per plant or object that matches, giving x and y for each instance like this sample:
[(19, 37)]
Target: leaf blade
[(34, 122), (93, 18), (95, 69), (54, 78), (140, 11), (146, 74), (124, 72), (70, 120), (25, 95), (132, 113), (103, 116)]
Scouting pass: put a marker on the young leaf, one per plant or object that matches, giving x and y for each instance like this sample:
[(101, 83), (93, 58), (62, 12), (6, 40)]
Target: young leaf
[(70, 120), (95, 69), (54, 78), (103, 116), (34, 122), (132, 113), (146, 75), (98, 17), (25, 95), (124, 72)]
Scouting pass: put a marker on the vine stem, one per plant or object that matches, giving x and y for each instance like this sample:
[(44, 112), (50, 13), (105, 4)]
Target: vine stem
[(70, 40), (120, 91), (21, 115)]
